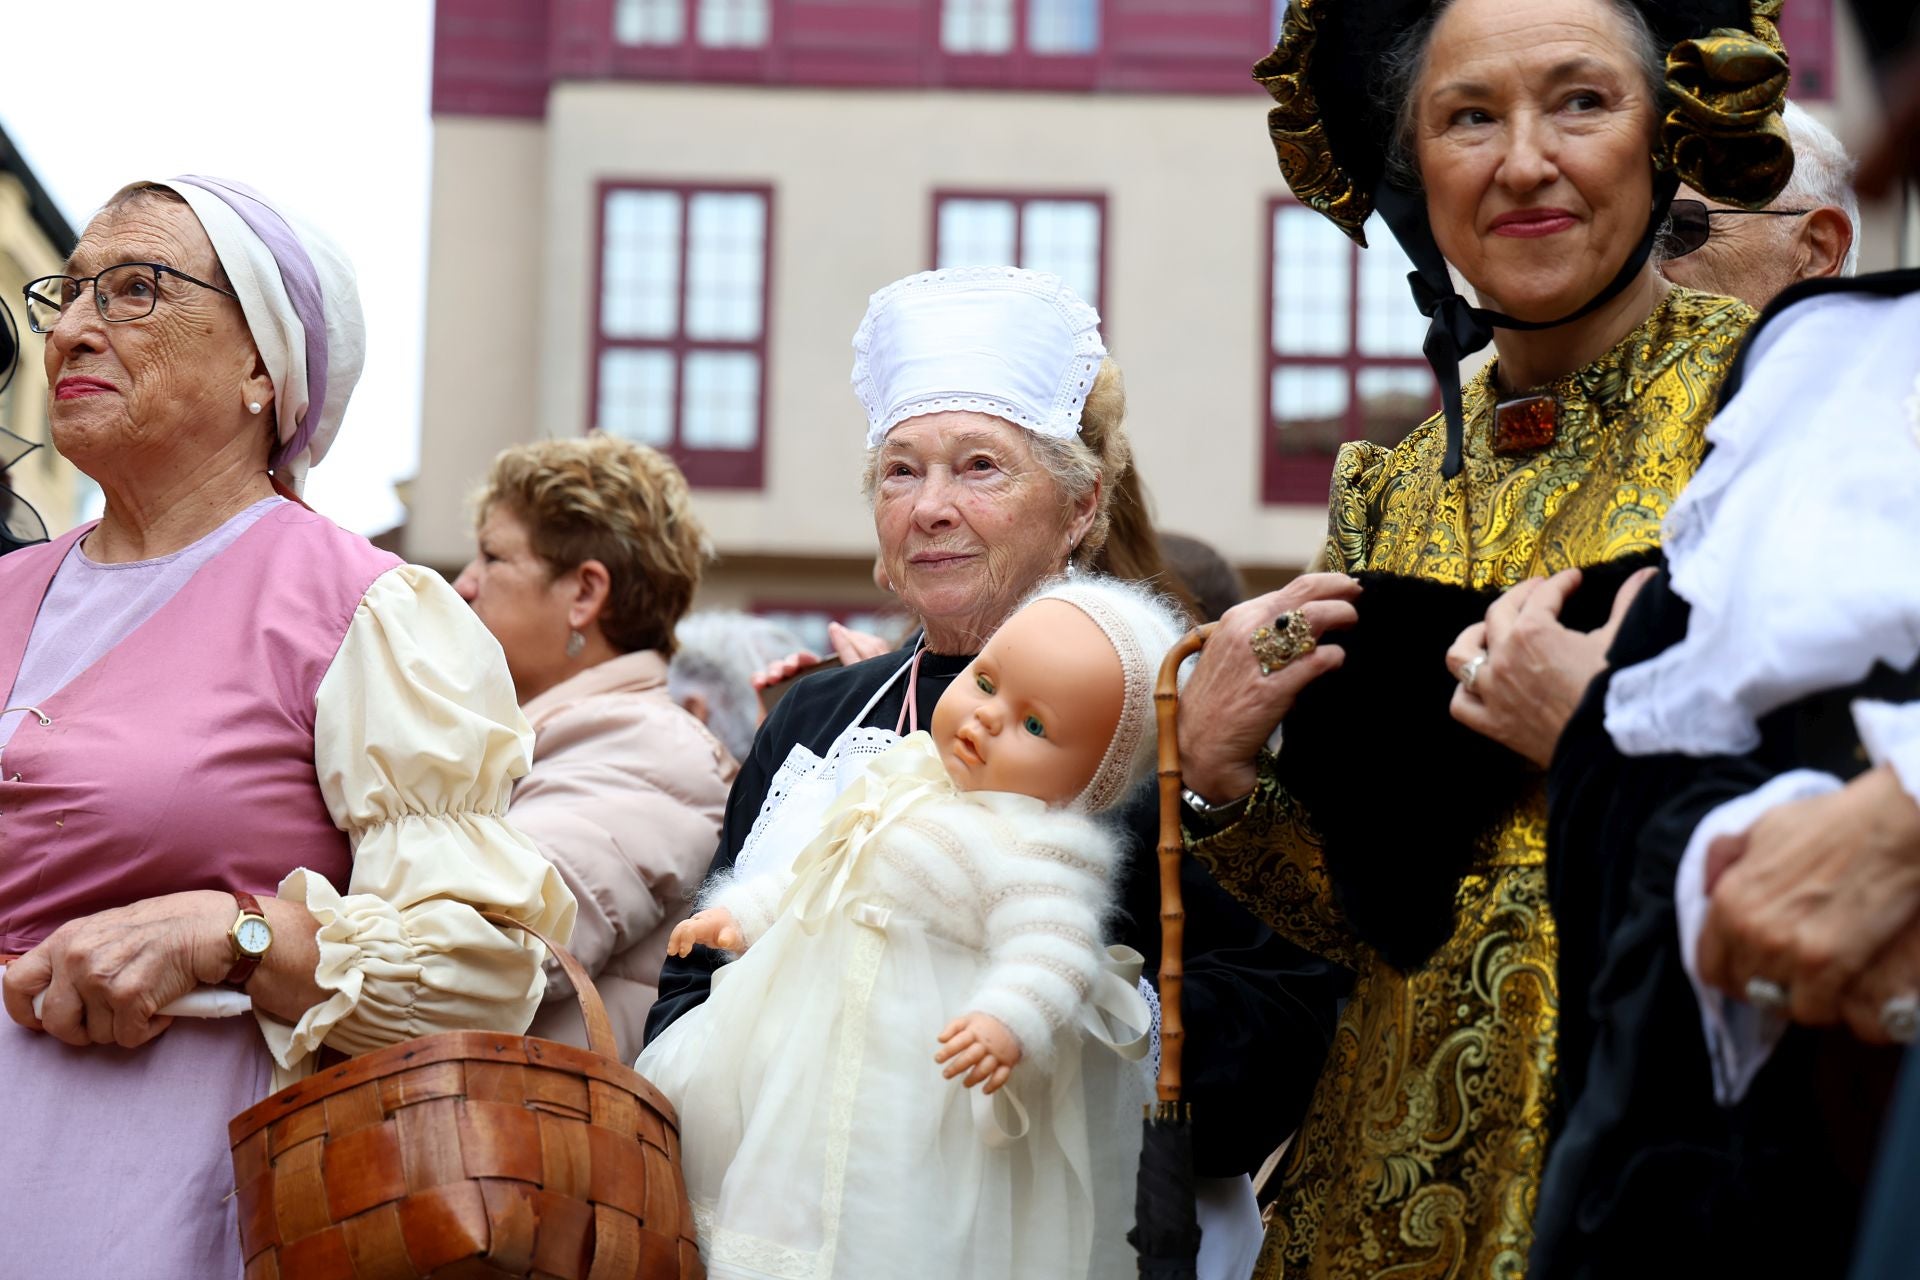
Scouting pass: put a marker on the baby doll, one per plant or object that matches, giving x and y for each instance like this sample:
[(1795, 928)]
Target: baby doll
[(942, 931)]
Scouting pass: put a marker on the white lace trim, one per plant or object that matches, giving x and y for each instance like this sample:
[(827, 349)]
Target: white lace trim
[(1142, 628), (1024, 406), (722, 1246)]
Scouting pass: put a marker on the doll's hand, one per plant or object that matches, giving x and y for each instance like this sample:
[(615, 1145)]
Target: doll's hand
[(714, 927), (982, 1047)]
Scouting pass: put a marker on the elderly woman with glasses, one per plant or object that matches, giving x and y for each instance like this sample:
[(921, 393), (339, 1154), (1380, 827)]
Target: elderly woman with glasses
[(246, 759)]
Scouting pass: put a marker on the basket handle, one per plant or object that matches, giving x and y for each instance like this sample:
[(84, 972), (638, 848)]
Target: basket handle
[(1173, 916), (592, 1008)]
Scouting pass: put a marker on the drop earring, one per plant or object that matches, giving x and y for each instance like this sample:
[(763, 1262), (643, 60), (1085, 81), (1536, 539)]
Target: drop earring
[(576, 644), (253, 406)]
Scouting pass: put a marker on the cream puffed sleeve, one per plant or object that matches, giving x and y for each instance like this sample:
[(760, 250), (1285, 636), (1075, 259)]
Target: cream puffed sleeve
[(418, 740)]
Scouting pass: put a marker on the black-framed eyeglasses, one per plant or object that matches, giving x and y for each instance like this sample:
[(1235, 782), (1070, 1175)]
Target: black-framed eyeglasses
[(1688, 224), (125, 291)]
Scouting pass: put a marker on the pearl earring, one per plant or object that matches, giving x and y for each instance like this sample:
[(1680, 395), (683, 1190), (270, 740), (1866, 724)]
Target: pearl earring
[(576, 644), (253, 406)]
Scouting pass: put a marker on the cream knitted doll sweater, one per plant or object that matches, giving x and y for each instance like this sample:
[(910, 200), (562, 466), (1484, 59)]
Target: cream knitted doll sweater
[(1001, 874)]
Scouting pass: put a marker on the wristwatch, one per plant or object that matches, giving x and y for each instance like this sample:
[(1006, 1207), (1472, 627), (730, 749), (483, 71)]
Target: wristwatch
[(250, 936), (1213, 816)]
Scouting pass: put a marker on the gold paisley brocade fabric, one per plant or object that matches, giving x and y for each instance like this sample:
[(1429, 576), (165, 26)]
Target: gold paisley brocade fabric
[(1421, 1152)]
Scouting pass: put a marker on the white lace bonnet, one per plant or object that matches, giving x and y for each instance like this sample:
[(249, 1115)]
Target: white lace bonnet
[(1017, 344), (1143, 626)]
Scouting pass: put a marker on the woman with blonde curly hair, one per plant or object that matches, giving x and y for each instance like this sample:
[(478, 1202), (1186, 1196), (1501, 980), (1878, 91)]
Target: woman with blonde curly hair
[(589, 555)]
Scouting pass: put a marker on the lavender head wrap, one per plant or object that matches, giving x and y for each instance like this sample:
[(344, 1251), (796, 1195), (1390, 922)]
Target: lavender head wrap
[(297, 291)]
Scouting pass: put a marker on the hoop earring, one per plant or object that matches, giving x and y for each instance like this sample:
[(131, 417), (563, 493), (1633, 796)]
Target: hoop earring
[(576, 644)]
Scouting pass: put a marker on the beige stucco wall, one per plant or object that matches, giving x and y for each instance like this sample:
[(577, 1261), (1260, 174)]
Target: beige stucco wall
[(1187, 182), (43, 478), (484, 319)]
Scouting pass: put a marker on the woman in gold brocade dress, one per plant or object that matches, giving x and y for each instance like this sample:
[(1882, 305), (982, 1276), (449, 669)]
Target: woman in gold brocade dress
[(1534, 144)]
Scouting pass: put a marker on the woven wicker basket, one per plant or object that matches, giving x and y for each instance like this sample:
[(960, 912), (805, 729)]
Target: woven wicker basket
[(468, 1154)]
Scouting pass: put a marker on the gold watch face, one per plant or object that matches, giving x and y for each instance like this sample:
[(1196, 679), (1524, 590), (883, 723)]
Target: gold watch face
[(252, 935)]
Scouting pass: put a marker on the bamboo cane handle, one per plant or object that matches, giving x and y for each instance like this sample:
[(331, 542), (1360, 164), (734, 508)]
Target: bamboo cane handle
[(1173, 918)]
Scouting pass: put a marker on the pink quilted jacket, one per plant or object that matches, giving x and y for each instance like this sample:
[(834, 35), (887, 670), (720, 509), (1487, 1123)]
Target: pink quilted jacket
[(625, 798)]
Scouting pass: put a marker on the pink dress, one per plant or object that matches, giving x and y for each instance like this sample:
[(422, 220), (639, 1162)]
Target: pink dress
[(181, 758)]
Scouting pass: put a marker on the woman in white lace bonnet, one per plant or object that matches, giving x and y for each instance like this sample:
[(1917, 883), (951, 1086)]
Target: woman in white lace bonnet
[(993, 420)]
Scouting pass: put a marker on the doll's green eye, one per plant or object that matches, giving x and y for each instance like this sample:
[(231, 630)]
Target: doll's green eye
[(986, 685), (1033, 726)]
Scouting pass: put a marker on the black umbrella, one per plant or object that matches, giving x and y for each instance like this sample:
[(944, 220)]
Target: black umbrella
[(1166, 1230), (20, 524)]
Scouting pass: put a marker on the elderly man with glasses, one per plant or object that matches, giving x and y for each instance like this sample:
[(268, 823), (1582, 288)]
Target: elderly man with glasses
[(1810, 230)]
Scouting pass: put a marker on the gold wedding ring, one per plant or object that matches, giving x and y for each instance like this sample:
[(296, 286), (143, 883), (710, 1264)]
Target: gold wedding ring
[(1275, 649)]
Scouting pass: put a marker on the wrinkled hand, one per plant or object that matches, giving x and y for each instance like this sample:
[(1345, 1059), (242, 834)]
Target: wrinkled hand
[(105, 976), (1536, 670), (714, 927), (982, 1047), (1228, 709), (852, 646), (1895, 971), (1813, 894), (785, 668)]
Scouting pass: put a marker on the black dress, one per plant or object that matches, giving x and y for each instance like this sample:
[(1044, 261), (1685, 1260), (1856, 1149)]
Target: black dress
[(1647, 1173), (1259, 1011)]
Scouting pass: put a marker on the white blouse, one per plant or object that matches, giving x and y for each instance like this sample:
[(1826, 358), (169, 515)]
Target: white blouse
[(417, 742), (1798, 542)]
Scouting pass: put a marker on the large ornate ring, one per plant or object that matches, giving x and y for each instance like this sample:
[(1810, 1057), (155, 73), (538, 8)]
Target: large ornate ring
[(1900, 1018), (1766, 995), (1470, 670), (1275, 649)]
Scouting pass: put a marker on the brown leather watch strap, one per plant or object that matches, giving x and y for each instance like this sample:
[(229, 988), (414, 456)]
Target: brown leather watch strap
[(243, 965)]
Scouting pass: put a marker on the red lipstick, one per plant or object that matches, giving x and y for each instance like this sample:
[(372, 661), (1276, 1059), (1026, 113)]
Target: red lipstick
[(1531, 223), (75, 387)]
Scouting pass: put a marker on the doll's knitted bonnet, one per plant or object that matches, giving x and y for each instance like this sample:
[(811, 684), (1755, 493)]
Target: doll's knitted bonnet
[(1142, 626)]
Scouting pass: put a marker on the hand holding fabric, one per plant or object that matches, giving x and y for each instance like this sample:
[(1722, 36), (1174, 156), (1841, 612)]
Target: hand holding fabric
[(714, 927), (1532, 670), (106, 976), (1815, 895), (1228, 709), (982, 1047)]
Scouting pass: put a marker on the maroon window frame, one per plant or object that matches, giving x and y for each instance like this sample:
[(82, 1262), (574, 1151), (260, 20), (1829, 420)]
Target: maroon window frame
[(704, 468), (1806, 28), (1019, 65), (1020, 200), (689, 59), (1294, 478)]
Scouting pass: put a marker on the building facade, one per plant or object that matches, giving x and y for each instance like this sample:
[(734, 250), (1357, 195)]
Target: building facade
[(662, 218), (35, 239)]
